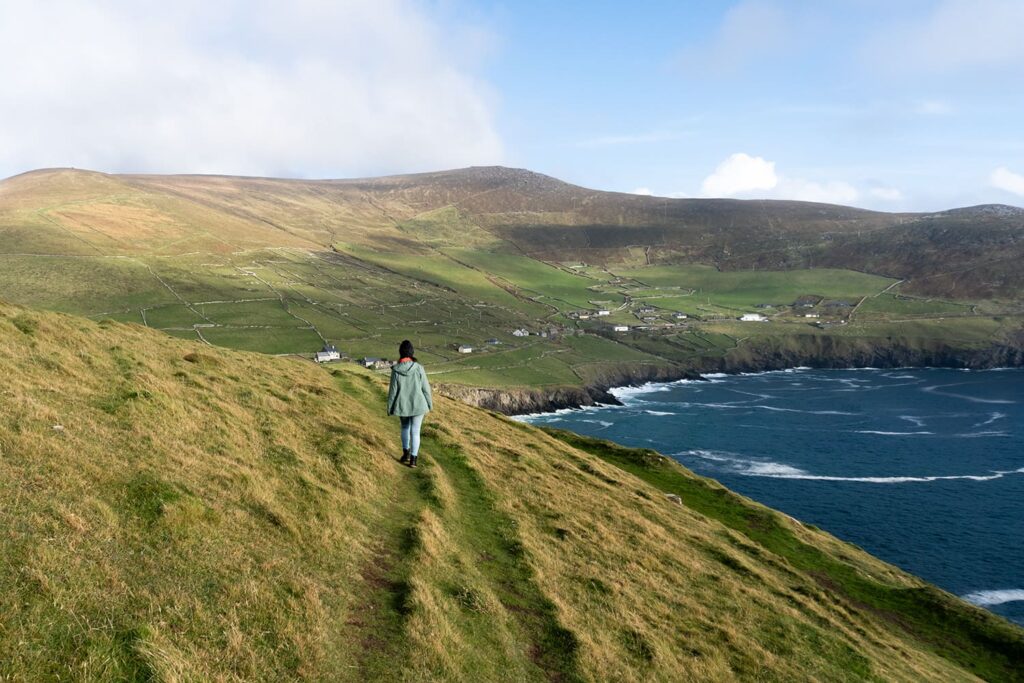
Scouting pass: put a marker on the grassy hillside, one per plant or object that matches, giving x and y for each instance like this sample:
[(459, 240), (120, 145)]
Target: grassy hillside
[(463, 257), (171, 511)]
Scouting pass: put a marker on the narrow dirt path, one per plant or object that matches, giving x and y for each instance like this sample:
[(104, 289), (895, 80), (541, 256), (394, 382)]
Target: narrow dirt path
[(377, 623), (552, 648)]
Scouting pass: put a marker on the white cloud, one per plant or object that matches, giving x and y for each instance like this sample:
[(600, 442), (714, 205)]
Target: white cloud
[(957, 34), (1004, 179), (643, 191), (745, 176), (308, 87), (738, 174)]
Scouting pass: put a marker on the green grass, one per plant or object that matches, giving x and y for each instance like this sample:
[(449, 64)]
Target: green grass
[(558, 287), (974, 639), (747, 288), (893, 305)]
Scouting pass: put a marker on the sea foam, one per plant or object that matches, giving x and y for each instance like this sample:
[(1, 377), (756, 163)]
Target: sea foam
[(995, 597)]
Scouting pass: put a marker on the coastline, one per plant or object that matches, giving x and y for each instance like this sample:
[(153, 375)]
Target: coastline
[(832, 354)]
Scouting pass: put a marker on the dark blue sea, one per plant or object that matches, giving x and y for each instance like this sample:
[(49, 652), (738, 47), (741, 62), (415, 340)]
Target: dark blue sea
[(923, 468)]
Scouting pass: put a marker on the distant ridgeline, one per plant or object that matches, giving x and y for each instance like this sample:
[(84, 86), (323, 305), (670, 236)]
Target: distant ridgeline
[(174, 511), (505, 278)]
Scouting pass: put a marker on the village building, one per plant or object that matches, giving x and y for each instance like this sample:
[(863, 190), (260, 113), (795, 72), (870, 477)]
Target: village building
[(521, 333), (604, 311), (494, 342), (328, 353), (647, 309), (811, 315), (621, 328), (753, 318), (375, 363), (465, 348), (680, 316)]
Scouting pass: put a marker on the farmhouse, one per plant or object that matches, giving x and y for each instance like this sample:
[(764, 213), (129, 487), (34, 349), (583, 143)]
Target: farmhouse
[(520, 333), (621, 328), (811, 315), (753, 318), (328, 353), (604, 311), (465, 348), (647, 309), (377, 363), (680, 316)]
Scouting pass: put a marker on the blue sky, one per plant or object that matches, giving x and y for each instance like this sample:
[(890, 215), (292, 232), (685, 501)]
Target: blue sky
[(915, 105)]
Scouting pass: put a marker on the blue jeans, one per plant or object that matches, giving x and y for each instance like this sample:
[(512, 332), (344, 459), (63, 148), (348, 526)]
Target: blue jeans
[(411, 434)]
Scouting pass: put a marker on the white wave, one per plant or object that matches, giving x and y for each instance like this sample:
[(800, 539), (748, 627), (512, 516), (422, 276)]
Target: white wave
[(776, 470), (975, 435), (991, 418), (973, 399), (604, 423), (714, 375), (659, 412), (916, 421), (875, 431), (995, 597), (809, 412)]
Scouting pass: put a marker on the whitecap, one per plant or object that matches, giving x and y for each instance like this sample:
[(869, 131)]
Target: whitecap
[(876, 431), (776, 470), (808, 412), (916, 421), (973, 399), (994, 597), (659, 412), (992, 418)]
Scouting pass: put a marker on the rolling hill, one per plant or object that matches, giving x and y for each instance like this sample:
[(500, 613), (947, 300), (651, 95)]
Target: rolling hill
[(466, 257), (172, 511)]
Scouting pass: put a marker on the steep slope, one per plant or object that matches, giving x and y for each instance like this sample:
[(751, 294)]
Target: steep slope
[(175, 512)]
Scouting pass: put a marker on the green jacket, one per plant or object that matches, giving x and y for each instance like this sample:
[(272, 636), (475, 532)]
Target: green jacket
[(409, 393)]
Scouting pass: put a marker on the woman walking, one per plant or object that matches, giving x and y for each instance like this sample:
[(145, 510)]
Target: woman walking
[(409, 397)]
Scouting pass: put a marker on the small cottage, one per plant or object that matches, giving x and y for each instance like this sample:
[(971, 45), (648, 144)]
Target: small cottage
[(621, 328), (465, 348), (328, 353), (753, 318), (520, 333)]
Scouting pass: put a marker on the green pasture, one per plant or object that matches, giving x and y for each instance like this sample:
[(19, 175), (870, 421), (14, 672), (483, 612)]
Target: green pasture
[(747, 288)]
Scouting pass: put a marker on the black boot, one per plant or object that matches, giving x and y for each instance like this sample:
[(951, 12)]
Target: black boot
[(412, 460), (405, 456)]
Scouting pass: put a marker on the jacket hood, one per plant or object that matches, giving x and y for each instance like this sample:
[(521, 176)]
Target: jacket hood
[(403, 368)]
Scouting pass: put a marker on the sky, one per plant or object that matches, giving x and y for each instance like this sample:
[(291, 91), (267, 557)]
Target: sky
[(913, 105)]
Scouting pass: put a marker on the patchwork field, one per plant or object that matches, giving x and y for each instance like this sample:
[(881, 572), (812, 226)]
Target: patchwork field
[(283, 267)]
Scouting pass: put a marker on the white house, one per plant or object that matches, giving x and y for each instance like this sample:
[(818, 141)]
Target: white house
[(465, 348), (753, 318), (811, 315), (520, 333), (680, 316), (621, 328), (604, 311), (328, 353)]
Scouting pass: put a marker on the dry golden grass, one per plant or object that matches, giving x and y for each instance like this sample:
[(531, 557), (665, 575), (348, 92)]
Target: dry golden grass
[(203, 514)]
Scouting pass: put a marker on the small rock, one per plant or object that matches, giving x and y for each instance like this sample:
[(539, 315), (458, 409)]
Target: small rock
[(674, 498), (58, 428)]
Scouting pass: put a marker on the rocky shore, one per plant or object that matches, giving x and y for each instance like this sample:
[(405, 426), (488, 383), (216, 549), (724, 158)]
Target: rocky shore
[(812, 351)]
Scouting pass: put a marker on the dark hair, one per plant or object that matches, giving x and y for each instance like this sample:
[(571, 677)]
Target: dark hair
[(405, 350)]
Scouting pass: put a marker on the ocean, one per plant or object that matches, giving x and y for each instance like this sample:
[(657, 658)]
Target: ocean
[(923, 468)]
